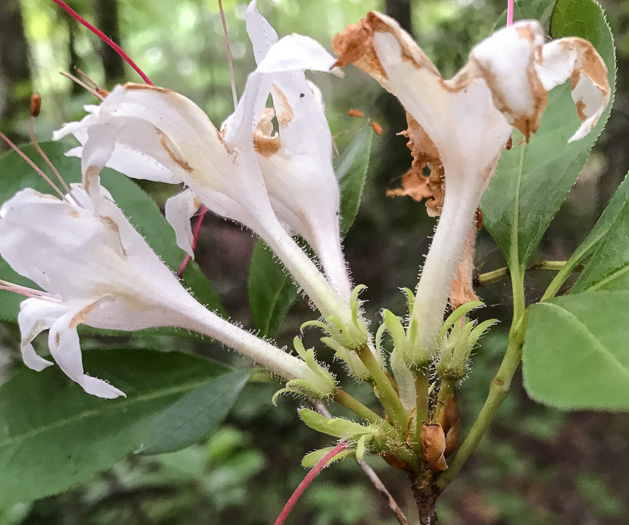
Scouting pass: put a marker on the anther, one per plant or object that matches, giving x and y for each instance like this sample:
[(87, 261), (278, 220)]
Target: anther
[(35, 104), (35, 110)]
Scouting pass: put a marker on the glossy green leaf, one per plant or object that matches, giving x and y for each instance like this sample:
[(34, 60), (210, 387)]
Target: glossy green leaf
[(608, 269), (54, 436), (272, 291), (351, 172), (533, 180), (141, 210), (195, 415), (575, 351)]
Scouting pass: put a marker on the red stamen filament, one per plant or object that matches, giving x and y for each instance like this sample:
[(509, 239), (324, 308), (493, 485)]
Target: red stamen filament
[(195, 240), (103, 37), (32, 165), (307, 480)]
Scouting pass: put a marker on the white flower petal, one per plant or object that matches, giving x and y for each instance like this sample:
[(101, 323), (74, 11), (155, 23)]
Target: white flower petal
[(261, 33), (506, 61), (578, 60), (296, 52), (179, 210), (34, 317), (63, 341)]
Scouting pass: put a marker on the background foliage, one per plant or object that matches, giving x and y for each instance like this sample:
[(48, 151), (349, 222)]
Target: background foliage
[(537, 465)]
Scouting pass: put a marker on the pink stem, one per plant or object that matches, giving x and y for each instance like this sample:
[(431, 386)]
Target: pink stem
[(510, 12), (103, 37), (307, 480), (195, 240)]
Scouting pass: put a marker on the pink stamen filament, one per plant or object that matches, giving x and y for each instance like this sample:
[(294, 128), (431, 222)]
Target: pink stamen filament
[(307, 480), (50, 164), (103, 37), (228, 50), (25, 291), (83, 85), (195, 240), (510, 6), (32, 165)]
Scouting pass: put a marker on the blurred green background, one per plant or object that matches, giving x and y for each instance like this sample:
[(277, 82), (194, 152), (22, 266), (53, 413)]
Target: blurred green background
[(536, 466)]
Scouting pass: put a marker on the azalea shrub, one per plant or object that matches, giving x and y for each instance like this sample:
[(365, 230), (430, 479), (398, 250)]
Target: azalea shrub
[(87, 253)]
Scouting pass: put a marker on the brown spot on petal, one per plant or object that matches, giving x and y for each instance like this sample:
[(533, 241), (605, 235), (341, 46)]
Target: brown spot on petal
[(355, 46), (463, 284), (581, 110), (82, 315), (414, 183), (136, 87), (283, 110), (168, 147), (433, 445), (74, 214), (266, 146), (112, 226), (57, 338)]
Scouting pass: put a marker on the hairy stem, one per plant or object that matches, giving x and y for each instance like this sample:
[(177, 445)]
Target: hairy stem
[(351, 403), (499, 388), (384, 390)]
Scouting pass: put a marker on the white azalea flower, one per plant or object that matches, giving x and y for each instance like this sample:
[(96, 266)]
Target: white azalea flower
[(155, 128), (461, 125), (296, 163), (96, 269)]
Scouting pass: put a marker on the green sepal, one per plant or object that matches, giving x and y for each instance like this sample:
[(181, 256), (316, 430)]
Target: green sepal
[(337, 427), (311, 459), (461, 311)]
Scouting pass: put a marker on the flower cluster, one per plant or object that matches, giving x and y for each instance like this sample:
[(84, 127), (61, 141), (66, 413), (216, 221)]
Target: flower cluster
[(94, 268)]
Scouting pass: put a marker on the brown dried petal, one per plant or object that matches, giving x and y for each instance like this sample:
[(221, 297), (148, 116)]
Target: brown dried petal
[(450, 422), (462, 286), (414, 183), (433, 444)]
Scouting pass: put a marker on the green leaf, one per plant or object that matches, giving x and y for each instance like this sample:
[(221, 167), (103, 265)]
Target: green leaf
[(608, 269), (533, 180), (598, 234), (54, 436), (575, 351), (196, 415), (272, 291), (139, 208), (528, 10), (351, 172)]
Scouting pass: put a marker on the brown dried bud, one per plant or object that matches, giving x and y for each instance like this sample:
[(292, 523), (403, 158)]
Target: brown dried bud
[(450, 423), (35, 104), (433, 443)]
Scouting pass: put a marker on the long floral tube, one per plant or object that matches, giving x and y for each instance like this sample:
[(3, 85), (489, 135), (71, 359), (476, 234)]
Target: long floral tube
[(97, 270)]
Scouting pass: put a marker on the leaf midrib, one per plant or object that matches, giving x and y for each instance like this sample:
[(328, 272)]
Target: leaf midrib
[(614, 275), (95, 412), (566, 314)]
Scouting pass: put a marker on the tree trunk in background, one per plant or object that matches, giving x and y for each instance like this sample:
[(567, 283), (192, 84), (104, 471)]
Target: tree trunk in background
[(401, 11), (74, 60), (106, 12), (15, 75), (395, 157)]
